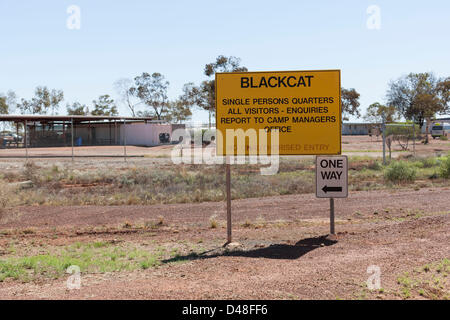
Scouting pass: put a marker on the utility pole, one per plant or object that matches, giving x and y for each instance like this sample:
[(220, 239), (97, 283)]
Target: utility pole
[(71, 135)]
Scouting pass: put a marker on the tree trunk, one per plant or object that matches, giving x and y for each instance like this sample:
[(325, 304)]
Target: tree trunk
[(133, 114), (130, 105), (209, 124), (426, 130)]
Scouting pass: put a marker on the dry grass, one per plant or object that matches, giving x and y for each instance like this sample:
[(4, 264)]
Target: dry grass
[(187, 183), (213, 223)]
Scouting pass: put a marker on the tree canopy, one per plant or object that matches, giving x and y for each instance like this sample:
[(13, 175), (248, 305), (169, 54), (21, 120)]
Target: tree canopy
[(177, 112), (180, 109), (8, 102), (151, 89), (3, 106), (104, 106), (43, 101), (77, 109), (204, 95), (419, 97), (350, 103), (376, 111)]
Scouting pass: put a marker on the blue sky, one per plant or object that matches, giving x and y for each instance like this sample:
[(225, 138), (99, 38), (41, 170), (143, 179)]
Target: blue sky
[(122, 39)]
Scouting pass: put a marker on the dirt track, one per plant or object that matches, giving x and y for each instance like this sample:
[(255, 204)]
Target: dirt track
[(284, 257), (291, 208)]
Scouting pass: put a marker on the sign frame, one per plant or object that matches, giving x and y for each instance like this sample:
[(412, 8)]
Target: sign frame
[(332, 196), (339, 124)]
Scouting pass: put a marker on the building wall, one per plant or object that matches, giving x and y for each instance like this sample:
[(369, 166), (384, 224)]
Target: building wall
[(355, 129), (100, 134), (139, 134), (144, 134)]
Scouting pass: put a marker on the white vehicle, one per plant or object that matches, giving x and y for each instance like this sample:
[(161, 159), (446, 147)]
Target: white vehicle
[(439, 130)]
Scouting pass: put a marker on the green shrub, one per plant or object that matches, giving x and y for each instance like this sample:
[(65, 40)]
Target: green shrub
[(400, 171), (375, 165), (428, 162), (418, 164), (443, 138), (444, 170), (403, 130)]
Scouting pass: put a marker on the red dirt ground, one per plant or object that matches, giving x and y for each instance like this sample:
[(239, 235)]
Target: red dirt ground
[(282, 252)]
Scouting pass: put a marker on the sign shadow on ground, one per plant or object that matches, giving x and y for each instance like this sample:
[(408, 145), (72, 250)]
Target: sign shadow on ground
[(275, 251)]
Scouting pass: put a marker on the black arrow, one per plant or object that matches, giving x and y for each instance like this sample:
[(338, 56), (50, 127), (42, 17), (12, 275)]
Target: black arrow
[(331, 189)]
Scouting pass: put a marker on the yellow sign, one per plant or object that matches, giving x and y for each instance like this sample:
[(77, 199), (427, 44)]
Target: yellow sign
[(303, 106)]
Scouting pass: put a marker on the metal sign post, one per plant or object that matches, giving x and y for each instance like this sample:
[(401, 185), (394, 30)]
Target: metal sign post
[(332, 216), (228, 174)]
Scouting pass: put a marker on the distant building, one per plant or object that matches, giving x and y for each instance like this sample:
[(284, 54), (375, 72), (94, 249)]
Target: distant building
[(57, 131), (149, 133), (439, 120), (356, 129)]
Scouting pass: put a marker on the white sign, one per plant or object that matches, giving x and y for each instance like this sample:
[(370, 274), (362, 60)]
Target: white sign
[(332, 177)]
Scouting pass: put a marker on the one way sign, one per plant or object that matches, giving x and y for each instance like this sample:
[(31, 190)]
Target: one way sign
[(331, 177)]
